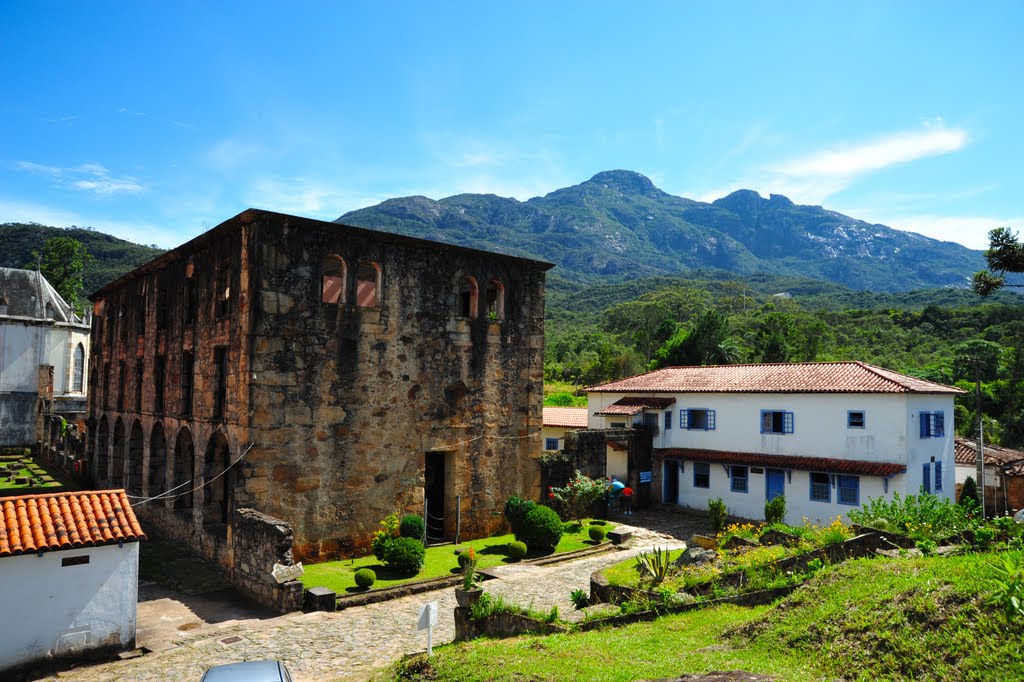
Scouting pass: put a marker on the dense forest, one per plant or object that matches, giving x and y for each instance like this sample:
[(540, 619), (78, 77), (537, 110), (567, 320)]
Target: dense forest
[(951, 336)]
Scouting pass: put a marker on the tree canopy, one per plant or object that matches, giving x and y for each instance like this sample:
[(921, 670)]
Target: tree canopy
[(63, 261), (1005, 254)]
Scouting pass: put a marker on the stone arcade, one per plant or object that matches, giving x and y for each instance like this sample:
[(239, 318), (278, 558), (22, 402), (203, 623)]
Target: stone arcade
[(321, 374)]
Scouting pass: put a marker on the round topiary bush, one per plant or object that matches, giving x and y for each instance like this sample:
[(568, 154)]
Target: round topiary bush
[(365, 577), (597, 533), (542, 529), (463, 558), (404, 555), (516, 550), (412, 527)]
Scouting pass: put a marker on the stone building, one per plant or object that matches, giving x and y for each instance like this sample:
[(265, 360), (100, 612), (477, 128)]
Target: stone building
[(321, 374), (44, 360)]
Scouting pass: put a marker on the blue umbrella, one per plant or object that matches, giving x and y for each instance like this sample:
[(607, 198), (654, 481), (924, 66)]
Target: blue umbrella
[(616, 486)]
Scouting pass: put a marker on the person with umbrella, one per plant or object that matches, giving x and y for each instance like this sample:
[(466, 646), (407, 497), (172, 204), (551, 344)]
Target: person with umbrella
[(615, 487)]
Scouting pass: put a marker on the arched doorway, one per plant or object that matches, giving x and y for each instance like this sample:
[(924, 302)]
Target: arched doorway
[(134, 482), (157, 461), (103, 451), (117, 457), (184, 466), (217, 477)]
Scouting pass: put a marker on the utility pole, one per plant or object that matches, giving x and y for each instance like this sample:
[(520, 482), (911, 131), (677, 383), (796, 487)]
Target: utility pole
[(980, 462)]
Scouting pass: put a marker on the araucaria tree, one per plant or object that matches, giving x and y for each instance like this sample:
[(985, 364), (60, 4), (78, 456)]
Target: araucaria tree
[(1005, 254), (62, 262)]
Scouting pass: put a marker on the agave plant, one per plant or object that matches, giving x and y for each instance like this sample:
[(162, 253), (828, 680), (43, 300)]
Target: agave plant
[(654, 565)]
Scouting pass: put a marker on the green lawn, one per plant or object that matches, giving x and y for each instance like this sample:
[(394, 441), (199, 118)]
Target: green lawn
[(865, 619), (32, 470), (439, 561)]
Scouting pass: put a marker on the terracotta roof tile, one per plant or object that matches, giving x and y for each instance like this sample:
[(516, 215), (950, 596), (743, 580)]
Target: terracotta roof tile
[(572, 417), (965, 451), (792, 377), (823, 464), (633, 404), (40, 523)]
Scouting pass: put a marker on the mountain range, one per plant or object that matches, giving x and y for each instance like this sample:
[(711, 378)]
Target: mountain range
[(618, 226)]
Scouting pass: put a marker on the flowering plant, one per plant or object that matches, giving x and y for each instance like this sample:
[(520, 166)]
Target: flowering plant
[(470, 578), (576, 498)]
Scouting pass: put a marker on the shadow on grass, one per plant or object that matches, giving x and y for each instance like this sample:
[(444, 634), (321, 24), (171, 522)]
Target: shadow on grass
[(501, 548)]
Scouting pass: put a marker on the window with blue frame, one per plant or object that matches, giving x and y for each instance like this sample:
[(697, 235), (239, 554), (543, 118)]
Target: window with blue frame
[(848, 490), (739, 479), (697, 419), (776, 421), (550, 443), (701, 475), (668, 420), (933, 424), (855, 419), (938, 477), (821, 487), (926, 479)]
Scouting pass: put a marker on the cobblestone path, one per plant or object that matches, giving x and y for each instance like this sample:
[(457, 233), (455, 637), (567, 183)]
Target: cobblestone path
[(351, 644)]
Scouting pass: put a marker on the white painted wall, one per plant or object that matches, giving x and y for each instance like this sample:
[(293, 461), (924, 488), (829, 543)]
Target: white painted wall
[(553, 432), (53, 610), (617, 463), (24, 346)]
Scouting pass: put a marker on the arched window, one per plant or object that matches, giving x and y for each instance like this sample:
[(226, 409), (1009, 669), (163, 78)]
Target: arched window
[(468, 296), (495, 300), (368, 285), (78, 372), (332, 279)]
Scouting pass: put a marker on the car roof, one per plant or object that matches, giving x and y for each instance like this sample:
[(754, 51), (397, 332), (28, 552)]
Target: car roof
[(246, 671)]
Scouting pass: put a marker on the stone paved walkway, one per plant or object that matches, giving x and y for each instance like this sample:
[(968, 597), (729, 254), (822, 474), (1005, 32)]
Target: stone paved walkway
[(351, 644)]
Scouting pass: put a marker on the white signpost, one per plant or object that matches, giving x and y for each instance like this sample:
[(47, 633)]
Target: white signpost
[(427, 621)]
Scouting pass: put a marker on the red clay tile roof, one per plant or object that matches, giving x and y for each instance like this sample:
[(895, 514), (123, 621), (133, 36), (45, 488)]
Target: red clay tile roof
[(632, 405), (571, 417), (39, 523), (823, 464), (792, 377), (965, 452)]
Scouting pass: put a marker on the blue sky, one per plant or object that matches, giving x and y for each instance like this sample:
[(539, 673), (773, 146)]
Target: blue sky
[(155, 121)]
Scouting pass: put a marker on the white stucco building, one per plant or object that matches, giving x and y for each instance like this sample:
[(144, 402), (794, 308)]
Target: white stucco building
[(69, 572), (559, 420), (829, 436), (39, 334)]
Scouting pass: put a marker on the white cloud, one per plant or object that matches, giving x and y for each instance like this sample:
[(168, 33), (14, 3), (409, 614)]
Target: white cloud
[(90, 177), (849, 161), (15, 211), (971, 231)]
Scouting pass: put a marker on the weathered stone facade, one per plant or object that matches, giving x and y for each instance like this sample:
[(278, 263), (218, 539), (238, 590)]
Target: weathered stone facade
[(325, 375)]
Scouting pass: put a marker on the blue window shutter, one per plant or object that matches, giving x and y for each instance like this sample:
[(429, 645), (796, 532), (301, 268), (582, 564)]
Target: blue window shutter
[(927, 486), (684, 419), (924, 424), (766, 423), (711, 420), (787, 423), (940, 425)]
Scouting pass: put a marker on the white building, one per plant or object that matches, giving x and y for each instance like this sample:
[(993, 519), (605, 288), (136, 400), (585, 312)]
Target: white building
[(829, 436), (69, 572), (558, 420), (44, 356)]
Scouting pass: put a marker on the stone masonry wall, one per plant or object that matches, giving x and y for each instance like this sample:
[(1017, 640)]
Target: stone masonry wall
[(348, 401), (259, 542)]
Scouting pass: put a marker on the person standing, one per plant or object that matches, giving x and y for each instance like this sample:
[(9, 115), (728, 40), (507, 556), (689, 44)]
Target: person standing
[(627, 501)]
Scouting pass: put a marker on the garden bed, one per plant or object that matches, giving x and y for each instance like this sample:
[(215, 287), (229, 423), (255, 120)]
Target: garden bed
[(440, 568), (20, 475)]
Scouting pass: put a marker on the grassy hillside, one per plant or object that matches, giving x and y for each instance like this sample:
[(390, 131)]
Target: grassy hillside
[(114, 257), (870, 619)]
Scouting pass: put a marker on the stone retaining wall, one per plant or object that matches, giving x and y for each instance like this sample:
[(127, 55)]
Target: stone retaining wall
[(500, 625), (260, 541)]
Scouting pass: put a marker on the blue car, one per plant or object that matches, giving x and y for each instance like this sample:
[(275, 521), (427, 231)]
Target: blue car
[(248, 671)]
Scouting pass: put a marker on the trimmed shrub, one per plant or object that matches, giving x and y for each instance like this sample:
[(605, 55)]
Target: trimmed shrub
[(365, 577), (515, 511), (542, 529), (404, 555), (464, 558), (775, 510), (412, 527), (597, 533), (388, 529), (516, 550)]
